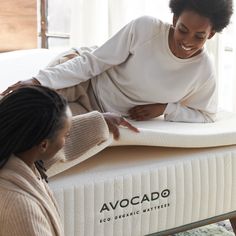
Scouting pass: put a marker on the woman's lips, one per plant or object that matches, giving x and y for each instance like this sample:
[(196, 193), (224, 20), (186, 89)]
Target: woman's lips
[(185, 47)]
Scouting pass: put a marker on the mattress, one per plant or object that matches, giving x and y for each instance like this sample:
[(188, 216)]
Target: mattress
[(139, 190), (135, 187), (158, 132), (167, 176)]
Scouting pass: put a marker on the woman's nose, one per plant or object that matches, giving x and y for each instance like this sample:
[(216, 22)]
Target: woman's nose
[(188, 40)]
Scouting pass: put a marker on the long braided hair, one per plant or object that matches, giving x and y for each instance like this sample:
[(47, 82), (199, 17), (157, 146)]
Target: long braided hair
[(29, 115)]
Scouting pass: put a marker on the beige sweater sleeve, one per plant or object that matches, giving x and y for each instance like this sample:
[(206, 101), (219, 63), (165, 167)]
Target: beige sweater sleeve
[(23, 216), (87, 131)]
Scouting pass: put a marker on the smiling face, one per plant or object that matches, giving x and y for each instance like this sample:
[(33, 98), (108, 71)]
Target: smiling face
[(189, 34)]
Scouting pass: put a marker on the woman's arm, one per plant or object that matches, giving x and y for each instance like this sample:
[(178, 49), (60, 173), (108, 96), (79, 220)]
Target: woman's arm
[(90, 63), (88, 131), (200, 106)]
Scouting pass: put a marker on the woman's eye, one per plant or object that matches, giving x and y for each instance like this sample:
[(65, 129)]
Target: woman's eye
[(182, 31), (200, 37)]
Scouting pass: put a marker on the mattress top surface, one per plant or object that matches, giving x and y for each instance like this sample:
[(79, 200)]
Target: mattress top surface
[(158, 132)]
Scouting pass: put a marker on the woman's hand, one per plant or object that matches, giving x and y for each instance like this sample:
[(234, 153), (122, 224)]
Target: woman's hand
[(20, 84), (114, 120), (146, 112)]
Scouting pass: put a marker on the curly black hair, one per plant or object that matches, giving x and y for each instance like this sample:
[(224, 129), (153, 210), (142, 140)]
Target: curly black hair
[(218, 11)]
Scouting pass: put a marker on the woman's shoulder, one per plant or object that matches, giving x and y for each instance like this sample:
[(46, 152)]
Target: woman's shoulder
[(148, 21), (147, 27)]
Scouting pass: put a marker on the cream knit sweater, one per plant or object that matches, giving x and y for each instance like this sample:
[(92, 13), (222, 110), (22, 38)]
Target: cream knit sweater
[(27, 207), (87, 131)]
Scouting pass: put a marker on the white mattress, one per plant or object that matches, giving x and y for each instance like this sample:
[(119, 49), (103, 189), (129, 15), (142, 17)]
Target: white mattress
[(158, 132), (199, 176), (199, 184)]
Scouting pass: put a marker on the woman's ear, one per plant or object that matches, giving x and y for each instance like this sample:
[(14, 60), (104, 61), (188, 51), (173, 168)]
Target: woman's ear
[(43, 146), (211, 34)]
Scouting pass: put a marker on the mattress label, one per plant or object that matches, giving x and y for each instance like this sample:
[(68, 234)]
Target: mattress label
[(152, 198)]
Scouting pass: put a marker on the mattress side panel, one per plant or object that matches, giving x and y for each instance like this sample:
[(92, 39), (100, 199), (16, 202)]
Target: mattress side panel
[(151, 200)]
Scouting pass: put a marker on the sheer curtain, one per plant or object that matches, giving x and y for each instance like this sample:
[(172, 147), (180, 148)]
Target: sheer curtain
[(94, 21), (234, 61), (227, 67), (89, 22)]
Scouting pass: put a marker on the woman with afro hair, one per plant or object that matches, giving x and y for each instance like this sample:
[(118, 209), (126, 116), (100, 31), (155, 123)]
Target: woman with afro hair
[(149, 68)]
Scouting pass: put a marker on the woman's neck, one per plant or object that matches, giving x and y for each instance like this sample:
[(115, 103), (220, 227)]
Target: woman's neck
[(29, 157)]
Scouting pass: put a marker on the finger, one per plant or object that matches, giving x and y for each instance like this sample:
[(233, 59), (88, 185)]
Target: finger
[(11, 88), (5, 92), (125, 123), (115, 132), (8, 90), (113, 128)]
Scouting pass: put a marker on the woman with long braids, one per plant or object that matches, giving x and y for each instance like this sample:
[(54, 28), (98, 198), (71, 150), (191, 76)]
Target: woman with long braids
[(34, 124)]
